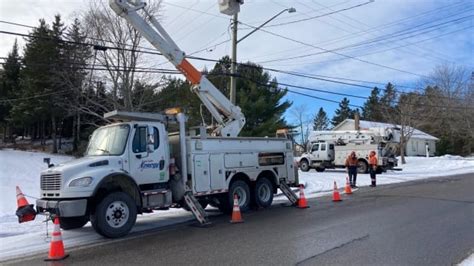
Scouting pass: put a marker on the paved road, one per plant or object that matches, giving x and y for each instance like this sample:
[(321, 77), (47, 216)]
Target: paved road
[(427, 222)]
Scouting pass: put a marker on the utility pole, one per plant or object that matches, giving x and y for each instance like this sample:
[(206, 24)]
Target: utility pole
[(233, 66)]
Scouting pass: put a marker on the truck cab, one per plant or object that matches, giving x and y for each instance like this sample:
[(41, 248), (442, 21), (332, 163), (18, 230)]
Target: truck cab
[(122, 161), (320, 155)]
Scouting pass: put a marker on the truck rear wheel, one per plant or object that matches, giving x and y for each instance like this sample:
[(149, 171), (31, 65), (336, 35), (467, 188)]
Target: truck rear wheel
[(68, 223), (263, 193), (115, 215), (362, 167), (242, 190), (304, 165)]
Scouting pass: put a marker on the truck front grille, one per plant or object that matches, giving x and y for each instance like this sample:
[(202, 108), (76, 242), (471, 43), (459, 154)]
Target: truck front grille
[(51, 182)]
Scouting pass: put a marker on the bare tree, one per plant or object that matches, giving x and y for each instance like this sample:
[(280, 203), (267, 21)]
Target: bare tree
[(121, 61), (450, 97), (301, 115)]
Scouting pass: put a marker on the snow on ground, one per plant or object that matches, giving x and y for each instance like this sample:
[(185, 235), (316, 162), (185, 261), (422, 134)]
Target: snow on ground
[(317, 184), (469, 261), (23, 169)]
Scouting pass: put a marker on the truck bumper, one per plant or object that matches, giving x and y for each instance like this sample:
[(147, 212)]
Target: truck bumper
[(63, 208)]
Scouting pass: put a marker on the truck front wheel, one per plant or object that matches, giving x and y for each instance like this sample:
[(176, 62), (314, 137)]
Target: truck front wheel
[(304, 165), (115, 215), (68, 223)]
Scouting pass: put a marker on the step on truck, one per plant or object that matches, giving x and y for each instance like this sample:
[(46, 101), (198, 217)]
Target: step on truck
[(139, 164)]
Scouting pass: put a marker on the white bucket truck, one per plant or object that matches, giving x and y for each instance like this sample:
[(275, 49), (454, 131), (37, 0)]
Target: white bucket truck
[(135, 166), (329, 149)]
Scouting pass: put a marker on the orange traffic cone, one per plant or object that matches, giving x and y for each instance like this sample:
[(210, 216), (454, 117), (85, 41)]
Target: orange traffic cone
[(56, 249), (335, 195), (302, 204), (348, 189), (236, 216), (25, 211)]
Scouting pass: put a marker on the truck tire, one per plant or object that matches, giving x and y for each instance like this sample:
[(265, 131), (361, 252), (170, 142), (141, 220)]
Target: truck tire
[(115, 215), (263, 193), (304, 165), (362, 167), (68, 223), (242, 190), (380, 170), (320, 169)]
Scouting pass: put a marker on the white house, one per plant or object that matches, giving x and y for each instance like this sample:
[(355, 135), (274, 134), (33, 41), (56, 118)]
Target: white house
[(416, 145)]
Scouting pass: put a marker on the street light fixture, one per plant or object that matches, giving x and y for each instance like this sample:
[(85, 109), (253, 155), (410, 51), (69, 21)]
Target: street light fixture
[(289, 10), (233, 80)]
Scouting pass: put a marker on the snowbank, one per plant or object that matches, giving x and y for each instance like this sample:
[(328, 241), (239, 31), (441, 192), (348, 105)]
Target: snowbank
[(318, 184)]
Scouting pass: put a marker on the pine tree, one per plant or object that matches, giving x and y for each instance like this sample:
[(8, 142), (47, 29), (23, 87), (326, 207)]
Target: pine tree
[(321, 120), (371, 108), (387, 102), (262, 105), (10, 80), (344, 112), (73, 76)]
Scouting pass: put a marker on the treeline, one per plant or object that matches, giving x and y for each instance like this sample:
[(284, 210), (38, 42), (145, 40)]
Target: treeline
[(67, 78)]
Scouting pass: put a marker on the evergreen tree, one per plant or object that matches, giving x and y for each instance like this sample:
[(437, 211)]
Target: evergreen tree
[(344, 112), (321, 120), (73, 76), (10, 80), (371, 108), (261, 104), (387, 102)]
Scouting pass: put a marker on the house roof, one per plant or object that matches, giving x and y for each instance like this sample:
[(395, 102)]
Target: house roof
[(364, 124)]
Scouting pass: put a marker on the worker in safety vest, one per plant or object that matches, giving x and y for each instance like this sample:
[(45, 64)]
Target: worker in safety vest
[(373, 162), (351, 167)]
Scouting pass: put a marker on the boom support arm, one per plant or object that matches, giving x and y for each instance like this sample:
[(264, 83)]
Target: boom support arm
[(229, 117)]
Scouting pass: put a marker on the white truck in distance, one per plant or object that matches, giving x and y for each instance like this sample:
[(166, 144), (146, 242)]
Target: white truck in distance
[(131, 167), (329, 149)]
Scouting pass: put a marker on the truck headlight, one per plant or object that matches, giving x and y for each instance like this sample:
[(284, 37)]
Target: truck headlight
[(81, 182)]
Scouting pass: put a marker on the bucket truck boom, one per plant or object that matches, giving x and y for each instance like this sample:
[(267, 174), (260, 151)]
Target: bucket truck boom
[(229, 117)]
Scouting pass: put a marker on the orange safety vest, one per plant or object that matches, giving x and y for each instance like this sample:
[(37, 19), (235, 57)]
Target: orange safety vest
[(351, 161), (373, 160)]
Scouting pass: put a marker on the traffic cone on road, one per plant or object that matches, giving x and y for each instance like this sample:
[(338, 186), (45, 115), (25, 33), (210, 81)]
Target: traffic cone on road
[(25, 211), (56, 249), (236, 216), (302, 203), (335, 195), (348, 189)]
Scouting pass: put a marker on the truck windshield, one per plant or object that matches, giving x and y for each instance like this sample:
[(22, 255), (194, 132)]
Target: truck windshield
[(109, 140)]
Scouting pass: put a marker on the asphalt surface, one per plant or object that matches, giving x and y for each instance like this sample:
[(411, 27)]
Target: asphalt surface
[(429, 222)]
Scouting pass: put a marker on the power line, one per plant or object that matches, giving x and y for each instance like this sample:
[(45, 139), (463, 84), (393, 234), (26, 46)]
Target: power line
[(375, 40), (191, 57), (337, 53), (318, 16), (379, 27)]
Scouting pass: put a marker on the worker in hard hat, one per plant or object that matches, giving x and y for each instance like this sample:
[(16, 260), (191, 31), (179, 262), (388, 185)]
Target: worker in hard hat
[(351, 168), (373, 162)]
